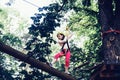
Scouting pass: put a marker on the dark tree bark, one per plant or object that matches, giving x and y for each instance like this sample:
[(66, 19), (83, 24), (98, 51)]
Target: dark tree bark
[(38, 64), (110, 23)]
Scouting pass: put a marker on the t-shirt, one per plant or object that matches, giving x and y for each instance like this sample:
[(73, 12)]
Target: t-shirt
[(61, 42)]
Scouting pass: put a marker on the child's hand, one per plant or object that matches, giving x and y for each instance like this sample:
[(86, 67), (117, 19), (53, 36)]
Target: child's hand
[(67, 28)]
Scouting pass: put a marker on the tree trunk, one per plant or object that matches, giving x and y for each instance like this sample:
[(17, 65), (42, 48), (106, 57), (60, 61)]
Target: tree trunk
[(110, 22), (111, 48), (38, 64)]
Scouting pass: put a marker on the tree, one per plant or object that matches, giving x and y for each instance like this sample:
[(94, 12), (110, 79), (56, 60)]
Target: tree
[(110, 22), (109, 14)]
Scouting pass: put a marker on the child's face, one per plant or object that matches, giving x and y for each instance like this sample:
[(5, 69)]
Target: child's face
[(60, 37)]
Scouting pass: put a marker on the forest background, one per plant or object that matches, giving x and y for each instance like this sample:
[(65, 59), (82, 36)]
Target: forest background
[(37, 38)]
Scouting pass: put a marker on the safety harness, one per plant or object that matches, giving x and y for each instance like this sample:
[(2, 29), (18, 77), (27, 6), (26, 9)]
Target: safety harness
[(63, 47)]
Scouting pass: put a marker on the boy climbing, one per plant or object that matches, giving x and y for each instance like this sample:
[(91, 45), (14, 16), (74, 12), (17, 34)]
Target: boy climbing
[(65, 50)]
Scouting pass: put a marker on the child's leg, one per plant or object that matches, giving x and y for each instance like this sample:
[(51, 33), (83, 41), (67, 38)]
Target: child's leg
[(67, 60), (58, 55)]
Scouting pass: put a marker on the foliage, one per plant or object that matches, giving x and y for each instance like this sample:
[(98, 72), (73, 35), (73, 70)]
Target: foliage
[(84, 22), (9, 65), (39, 43)]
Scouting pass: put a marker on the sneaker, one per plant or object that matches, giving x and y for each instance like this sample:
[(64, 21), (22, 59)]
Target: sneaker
[(50, 64), (67, 72)]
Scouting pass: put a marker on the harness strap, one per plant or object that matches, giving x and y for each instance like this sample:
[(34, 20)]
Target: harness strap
[(67, 46)]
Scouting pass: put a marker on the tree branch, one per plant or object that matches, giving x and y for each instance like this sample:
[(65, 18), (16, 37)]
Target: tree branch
[(38, 64)]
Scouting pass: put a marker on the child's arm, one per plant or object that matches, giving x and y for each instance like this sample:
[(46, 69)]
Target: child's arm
[(70, 35)]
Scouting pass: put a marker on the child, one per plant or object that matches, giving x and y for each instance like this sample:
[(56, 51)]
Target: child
[(65, 51)]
